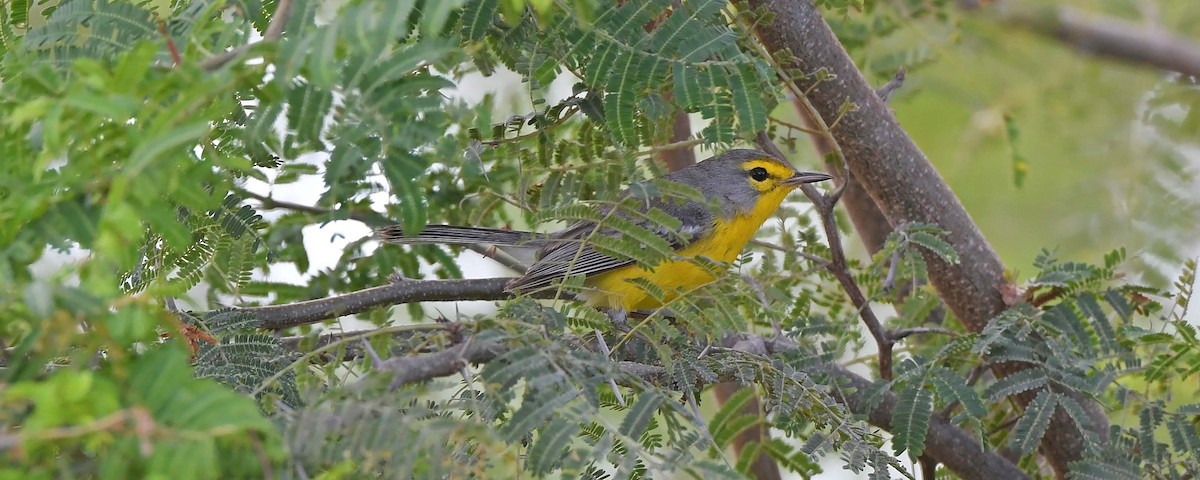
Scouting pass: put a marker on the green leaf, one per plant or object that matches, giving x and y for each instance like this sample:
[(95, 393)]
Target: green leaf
[(1184, 436), (176, 139), (1148, 420), (1019, 382), (401, 173), (1083, 421), (506, 370), (536, 410), (911, 420), (115, 107), (477, 18), (547, 450), (1091, 307), (952, 387), (747, 100), (434, 16), (620, 103), (731, 419), (162, 382), (308, 105), (1108, 467), (1028, 431), (641, 413), (936, 245)]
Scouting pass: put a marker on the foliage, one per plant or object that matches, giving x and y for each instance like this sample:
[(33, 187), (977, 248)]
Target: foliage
[(133, 153)]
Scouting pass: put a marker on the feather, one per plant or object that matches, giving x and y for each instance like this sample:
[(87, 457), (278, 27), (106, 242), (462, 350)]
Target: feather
[(568, 254), (456, 235)]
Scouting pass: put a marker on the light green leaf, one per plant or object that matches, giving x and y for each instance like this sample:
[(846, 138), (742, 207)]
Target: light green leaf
[(641, 413), (477, 18), (434, 15)]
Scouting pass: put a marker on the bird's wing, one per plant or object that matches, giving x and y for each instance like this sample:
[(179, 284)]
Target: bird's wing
[(570, 253)]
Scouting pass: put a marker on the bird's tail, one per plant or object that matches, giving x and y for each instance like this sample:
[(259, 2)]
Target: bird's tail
[(456, 235)]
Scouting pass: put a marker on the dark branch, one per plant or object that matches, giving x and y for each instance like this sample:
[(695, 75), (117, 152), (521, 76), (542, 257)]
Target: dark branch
[(348, 346), (269, 203), (1108, 37), (896, 174), (283, 9), (411, 369), (838, 265), (677, 158), (680, 145), (885, 92), (277, 317), (955, 448)]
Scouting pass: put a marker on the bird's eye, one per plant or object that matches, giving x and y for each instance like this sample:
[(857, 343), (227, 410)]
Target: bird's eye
[(759, 174)]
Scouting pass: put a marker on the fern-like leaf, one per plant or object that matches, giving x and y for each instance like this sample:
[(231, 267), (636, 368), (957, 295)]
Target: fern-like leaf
[(910, 422), (1028, 431), (641, 413), (1019, 382)]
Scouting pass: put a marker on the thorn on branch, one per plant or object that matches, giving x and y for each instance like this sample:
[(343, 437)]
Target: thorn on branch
[(375, 360), (885, 92)]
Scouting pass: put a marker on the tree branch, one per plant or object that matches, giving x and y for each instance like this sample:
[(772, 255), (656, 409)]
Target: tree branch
[(277, 317), (283, 9), (269, 203), (415, 368), (895, 173), (680, 145), (955, 448), (1105, 36), (837, 263)]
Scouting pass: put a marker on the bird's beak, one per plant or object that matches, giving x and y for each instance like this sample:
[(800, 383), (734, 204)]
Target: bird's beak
[(801, 178)]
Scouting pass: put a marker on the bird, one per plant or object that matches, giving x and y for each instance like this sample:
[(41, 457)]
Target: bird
[(743, 188)]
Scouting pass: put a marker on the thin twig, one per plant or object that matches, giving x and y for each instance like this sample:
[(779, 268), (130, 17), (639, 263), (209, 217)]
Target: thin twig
[(366, 346), (162, 29), (283, 9), (822, 261), (498, 256), (270, 203), (131, 417), (275, 317), (839, 267), (604, 350), (563, 116), (263, 461), (670, 146), (793, 126), (326, 342), (966, 456)]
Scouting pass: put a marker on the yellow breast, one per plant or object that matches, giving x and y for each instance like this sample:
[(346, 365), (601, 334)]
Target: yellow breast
[(612, 289)]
